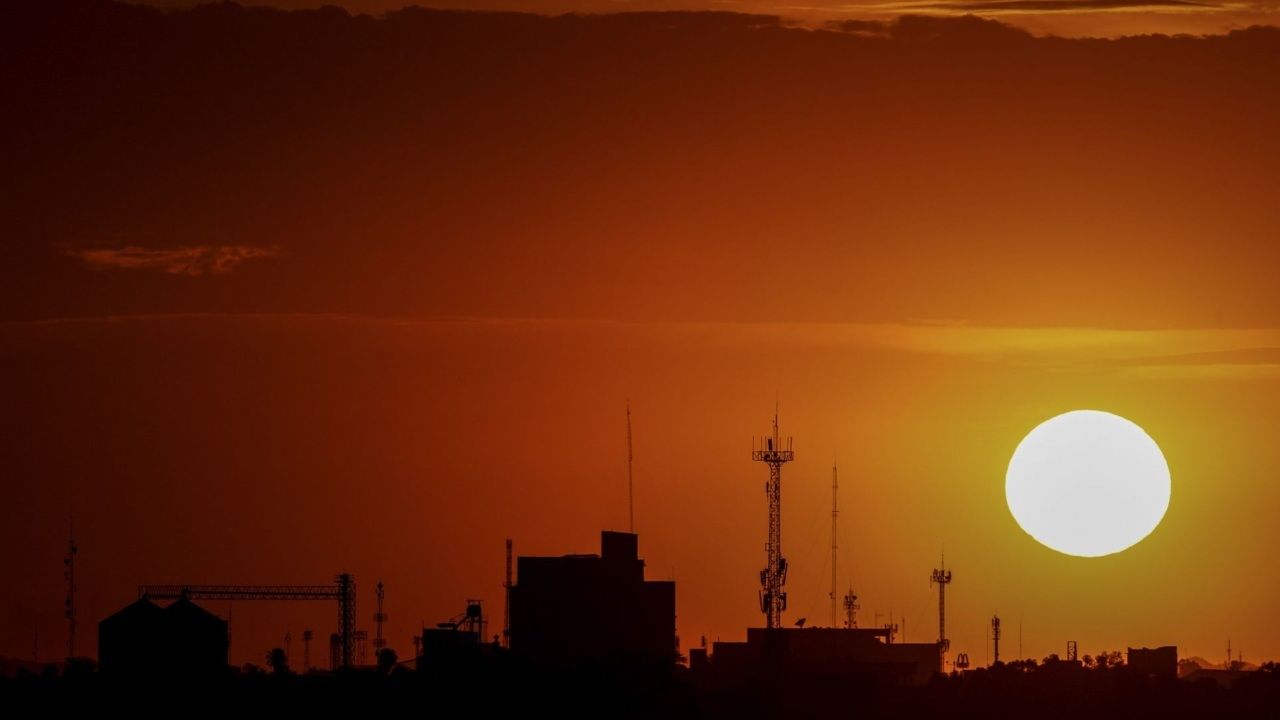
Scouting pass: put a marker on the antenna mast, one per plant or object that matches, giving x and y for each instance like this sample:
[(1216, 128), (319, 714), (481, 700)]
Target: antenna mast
[(506, 585), (631, 503), (70, 573), (835, 513), (942, 577), (995, 639), (379, 642), (773, 601)]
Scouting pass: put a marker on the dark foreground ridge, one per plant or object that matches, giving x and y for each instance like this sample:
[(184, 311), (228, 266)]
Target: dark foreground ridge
[(502, 684)]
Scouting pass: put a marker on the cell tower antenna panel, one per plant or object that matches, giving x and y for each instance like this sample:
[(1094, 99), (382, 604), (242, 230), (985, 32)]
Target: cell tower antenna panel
[(851, 608), (773, 600), (343, 590)]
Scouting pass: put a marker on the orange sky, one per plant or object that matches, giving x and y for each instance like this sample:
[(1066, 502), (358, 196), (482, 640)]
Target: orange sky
[(372, 295)]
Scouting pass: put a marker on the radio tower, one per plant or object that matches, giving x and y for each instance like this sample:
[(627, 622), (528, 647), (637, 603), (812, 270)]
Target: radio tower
[(506, 586), (379, 642), (70, 573), (772, 599), (995, 639), (942, 577), (306, 650), (835, 513)]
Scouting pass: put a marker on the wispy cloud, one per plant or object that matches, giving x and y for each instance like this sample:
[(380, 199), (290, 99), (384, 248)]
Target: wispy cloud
[(1194, 353), (192, 260), (1045, 6)]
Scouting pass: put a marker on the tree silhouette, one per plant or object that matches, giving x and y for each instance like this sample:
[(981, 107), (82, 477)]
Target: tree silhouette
[(387, 659), (278, 661)]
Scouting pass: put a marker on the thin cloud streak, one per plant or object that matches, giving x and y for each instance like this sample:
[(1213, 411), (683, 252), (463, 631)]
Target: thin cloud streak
[(998, 7), (193, 260), (1207, 353)]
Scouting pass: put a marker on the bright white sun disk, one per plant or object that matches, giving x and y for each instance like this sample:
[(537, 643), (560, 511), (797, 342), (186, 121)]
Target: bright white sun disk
[(1088, 483)]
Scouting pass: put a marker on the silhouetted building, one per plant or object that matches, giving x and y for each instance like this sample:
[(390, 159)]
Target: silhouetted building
[(128, 640), (822, 655), (181, 639), (446, 647), (1154, 661), (579, 608)]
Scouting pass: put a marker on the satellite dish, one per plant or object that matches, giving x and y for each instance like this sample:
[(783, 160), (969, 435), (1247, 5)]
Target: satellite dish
[(800, 622)]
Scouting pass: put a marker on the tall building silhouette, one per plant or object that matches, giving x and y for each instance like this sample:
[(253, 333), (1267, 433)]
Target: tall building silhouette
[(582, 608)]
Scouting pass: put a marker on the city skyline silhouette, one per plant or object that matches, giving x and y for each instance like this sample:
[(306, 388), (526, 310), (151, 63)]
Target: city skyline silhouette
[(293, 294)]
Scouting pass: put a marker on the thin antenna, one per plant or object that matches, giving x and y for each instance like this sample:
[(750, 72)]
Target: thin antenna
[(995, 639), (70, 574), (835, 513), (380, 617), (506, 608), (631, 503)]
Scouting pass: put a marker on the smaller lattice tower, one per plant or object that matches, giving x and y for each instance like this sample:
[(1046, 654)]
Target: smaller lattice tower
[(851, 608), (379, 617), (995, 639)]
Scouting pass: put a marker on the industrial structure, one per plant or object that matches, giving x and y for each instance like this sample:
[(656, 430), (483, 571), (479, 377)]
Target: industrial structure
[(773, 600), (456, 643), (577, 609), (146, 639), (343, 591)]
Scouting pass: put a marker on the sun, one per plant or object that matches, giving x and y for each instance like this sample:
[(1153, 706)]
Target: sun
[(1088, 483)]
